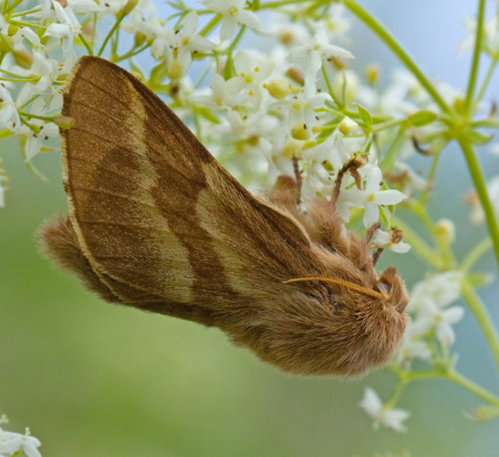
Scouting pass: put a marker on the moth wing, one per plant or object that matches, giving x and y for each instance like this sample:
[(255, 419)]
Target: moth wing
[(157, 217)]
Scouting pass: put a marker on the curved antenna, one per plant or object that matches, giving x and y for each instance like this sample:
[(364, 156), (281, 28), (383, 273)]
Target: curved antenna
[(341, 282)]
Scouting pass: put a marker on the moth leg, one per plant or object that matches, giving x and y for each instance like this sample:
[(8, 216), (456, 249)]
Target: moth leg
[(298, 177), (351, 166), (371, 230), (376, 256)]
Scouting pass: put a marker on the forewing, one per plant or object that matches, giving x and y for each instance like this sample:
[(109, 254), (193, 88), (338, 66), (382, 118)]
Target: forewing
[(158, 218)]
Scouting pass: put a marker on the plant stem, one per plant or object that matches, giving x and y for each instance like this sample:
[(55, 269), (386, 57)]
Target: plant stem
[(474, 254), (482, 317), (377, 28), (486, 80), (472, 387), (476, 57), (481, 189)]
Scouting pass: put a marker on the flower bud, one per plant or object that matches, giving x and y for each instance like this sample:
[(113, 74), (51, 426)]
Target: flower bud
[(347, 126), (293, 148), (296, 75), (64, 122), (299, 132), (278, 88), (23, 58), (445, 232), (372, 73)]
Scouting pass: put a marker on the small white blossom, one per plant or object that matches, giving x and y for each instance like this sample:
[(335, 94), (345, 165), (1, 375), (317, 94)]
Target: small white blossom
[(413, 346), (66, 28), (12, 443), (382, 415), (186, 42), (218, 96), (384, 240), (251, 71), (234, 13), (318, 49), (369, 198), (301, 106), (440, 289), (490, 37), (9, 116)]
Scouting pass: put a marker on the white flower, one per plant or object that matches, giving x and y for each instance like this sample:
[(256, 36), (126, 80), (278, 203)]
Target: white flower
[(66, 28), (317, 50), (412, 345), (433, 318), (84, 6), (186, 42), (369, 198), (490, 38), (382, 415), (218, 97), (234, 13), (384, 240), (440, 289), (251, 71), (8, 110), (12, 443), (301, 106)]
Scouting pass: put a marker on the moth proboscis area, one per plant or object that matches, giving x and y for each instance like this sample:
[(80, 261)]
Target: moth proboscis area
[(155, 222)]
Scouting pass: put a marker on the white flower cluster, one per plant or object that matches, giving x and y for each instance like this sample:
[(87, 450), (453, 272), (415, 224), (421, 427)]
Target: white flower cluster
[(428, 336), (261, 110), (13, 443)]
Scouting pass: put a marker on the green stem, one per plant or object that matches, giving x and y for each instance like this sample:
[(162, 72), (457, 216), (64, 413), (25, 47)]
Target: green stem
[(23, 13), (486, 81), (36, 116), (472, 387), (393, 151), (211, 25), (474, 254), (481, 189), (110, 34), (482, 317), (377, 28), (423, 198), (131, 53), (85, 43), (476, 57)]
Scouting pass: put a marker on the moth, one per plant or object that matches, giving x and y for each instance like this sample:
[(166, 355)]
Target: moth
[(155, 222)]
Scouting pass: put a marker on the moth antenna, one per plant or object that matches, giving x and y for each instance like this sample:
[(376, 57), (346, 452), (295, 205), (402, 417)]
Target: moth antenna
[(341, 282), (376, 256)]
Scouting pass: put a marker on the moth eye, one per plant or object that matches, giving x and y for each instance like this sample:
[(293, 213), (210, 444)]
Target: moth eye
[(382, 287)]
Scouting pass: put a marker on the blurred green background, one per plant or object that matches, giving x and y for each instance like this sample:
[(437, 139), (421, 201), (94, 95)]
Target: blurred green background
[(91, 378)]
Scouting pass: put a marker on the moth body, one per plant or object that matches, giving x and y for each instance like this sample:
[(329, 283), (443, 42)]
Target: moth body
[(155, 222)]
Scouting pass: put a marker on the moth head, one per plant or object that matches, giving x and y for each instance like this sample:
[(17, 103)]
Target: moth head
[(346, 328)]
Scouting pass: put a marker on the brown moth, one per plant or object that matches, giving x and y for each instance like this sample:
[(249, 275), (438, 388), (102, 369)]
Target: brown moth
[(155, 222)]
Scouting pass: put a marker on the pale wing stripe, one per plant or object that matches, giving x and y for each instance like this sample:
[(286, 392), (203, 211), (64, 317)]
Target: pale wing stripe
[(124, 224), (114, 194)]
